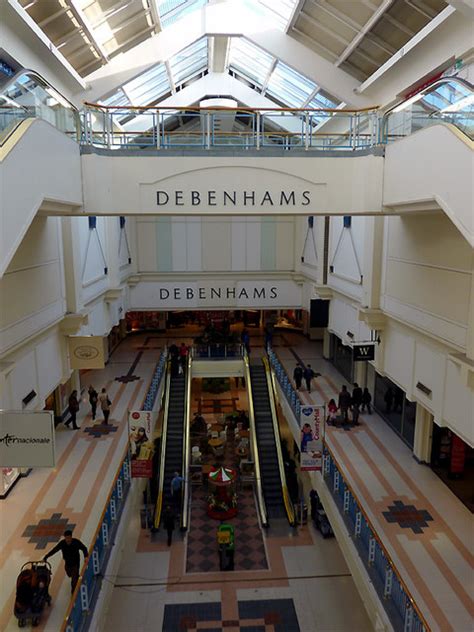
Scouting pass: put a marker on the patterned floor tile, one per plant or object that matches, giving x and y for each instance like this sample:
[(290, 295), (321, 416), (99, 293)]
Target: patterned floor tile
[(408, 516), (100, 430), (279, 613), (47, 530)]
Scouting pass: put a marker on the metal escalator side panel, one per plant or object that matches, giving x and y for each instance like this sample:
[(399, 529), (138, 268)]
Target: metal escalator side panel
[(273, 399), (253, 437), (164, 432), (186, 445)]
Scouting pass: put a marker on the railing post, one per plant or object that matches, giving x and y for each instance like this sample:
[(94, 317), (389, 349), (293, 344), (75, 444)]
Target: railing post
[(120, 487), (326, 464), (358, 524), (336, 481), (257, 130), (158, 131), (387, 589), (408, 622), (372, 544), (105, 533), (208, 130), (346, 500), (84, 597), (113, 510), (306, 131), (95, 562)]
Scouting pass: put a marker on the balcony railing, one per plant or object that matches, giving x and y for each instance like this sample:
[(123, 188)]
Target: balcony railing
[(217, 351)]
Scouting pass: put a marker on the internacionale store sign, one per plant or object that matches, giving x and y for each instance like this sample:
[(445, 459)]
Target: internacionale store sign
[(27, 439), (216, 294)]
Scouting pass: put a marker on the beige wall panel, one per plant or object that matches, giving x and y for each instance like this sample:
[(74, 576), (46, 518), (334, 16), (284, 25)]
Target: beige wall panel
[(285, 244), (216, 244), (146, 251), (39, 245), (441, 292), (32, 290), (431, 239)]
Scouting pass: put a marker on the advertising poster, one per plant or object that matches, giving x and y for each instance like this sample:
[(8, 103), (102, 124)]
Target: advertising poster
[(27, 439), (312, 434), (140, 427)]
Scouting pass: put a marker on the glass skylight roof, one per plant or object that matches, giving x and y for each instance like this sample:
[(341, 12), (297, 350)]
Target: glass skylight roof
[(289, 87), (149, 86), (189, 62), (118, 98), (323, 100), (172, 10), (277, 11), (249, 60)]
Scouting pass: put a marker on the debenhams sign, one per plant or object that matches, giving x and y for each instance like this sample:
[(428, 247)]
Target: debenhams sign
[(206, 294), (223, 198)]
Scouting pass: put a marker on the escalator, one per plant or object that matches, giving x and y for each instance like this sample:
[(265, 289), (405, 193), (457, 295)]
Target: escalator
[(270, 459), (172, 440)]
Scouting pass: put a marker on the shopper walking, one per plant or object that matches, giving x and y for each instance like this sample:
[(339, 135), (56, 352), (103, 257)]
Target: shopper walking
[(308, 375), (298, 376), (105, 405), (93, 400), (70, 548), (366, 401), (73, 407), (176, 491), (344, 403), (169, 522)]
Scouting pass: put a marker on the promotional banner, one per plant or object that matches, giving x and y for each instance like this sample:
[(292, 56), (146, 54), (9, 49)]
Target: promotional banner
[(27, 439), (140, 426), (86, 352), (312, 434)]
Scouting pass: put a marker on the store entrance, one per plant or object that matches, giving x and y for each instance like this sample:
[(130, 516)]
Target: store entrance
[(453, 461)]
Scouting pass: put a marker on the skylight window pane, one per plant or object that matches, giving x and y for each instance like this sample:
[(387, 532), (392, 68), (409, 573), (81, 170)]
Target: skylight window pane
[(289, 87), (249, 60), (276, 11), (149, 86), (118, 98), (172, 10), (189, 61), (323, 100)]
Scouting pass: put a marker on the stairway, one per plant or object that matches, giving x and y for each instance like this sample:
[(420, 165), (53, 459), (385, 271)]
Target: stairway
[(270, 474), (175, 434)]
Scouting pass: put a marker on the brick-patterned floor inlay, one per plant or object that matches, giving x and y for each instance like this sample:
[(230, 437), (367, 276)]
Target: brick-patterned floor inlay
[(47, 530), (408, 516), (124, 379), (268, 615), (202, 550), (100, 430)]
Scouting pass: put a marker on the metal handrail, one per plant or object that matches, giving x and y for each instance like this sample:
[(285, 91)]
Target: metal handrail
[(186, 445), (253, 436), (164, 432), (35, 75), (377, 537), (197, 108), (290, 512)]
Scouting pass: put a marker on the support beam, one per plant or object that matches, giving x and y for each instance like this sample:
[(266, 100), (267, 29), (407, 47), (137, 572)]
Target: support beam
[(419, 37), (421, 8), (269, 74), (365, 29), (88, 28), (295, 15), (170, 76), (466, 7), (324, 29), (219, 53)]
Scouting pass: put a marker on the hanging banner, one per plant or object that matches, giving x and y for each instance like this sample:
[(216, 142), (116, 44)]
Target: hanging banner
[(27, 439), (140, 428), (363, 352), (86, 352), (312, 420)]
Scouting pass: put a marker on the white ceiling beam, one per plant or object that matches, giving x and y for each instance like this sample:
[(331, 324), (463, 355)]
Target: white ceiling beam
[(311, 97), (419, 37), (294, 15), (88, 28), (363, 32), (156, 15), (466, 7), (227, 19), (324, 29), (336, 14), (269, 74), (170, 76), (313, 42), (219, 53), (52, 17)]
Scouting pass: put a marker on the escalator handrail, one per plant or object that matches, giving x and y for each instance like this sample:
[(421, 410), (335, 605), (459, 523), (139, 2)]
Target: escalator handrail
[(186, 445), (164, 433), (253, 436), (290, 512), (42, 80)]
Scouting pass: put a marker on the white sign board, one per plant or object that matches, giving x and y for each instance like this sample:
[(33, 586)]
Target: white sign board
[(215, 294), (312, 433), (27, 439)]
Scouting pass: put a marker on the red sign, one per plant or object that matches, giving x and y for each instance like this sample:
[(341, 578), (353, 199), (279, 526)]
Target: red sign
[(458, 455), (142, 468)]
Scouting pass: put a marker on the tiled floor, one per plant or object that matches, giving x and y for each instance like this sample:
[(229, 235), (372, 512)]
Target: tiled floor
[(427, 531)]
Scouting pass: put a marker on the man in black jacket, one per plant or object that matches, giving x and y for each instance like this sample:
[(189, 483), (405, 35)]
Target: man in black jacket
[(70, 548)]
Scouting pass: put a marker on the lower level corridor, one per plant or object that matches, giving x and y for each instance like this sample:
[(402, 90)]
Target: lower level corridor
[(301, 581)]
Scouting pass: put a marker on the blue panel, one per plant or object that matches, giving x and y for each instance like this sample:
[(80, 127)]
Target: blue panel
[(311, 221), (347, 221), (92, 222), (122, 221)]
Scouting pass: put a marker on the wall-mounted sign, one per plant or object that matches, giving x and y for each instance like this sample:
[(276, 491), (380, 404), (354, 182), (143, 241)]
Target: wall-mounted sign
[(140, 426), (312, 419), (216, 294), (363, 352), (86, 352), (237, 188), (27, 439)]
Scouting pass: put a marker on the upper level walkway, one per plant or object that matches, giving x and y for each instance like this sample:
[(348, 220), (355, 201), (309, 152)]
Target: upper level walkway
[(427, 531)]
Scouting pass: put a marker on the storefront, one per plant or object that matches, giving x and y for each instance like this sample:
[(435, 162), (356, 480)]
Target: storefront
[(341, 356), (390, 402), (452, 459), (8, 477)]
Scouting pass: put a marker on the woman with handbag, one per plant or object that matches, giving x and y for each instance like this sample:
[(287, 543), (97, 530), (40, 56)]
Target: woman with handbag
[(105, 405)]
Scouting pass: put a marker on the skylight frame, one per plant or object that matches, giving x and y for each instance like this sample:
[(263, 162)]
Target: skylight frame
[(258, 57), (289, 87), (149, 86), (170, 11), (182, 68)]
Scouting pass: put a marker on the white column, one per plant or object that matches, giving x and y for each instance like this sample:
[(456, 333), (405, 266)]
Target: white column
[(423, 434)]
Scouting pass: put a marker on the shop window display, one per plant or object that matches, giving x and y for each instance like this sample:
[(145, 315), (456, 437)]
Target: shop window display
[(391, 403), (8, 476)]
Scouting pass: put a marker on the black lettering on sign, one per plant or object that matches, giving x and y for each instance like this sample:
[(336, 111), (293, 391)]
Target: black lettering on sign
[(177, 293), (164, 294), (215, 292), (162, 198), (189, 293), (232, 198), (287, 199), (243, 292), (195, 198), (178, 198), (267, 198), (273, 292), (306, 199), (259, 293)]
